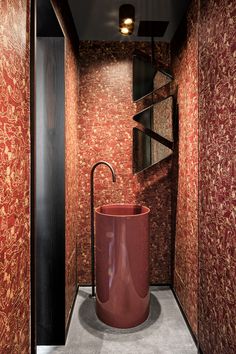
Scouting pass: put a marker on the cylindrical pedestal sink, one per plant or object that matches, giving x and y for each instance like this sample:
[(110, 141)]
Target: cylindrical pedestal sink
[(122, 258)]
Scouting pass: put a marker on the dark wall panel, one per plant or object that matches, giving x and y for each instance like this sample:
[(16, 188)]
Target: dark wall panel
[(50, 195)]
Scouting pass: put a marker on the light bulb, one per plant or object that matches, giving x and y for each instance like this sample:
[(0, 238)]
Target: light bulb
[(124, 30), (128, 21)]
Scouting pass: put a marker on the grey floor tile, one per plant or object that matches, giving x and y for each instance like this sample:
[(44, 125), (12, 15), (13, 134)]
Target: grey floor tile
[(164, 332)]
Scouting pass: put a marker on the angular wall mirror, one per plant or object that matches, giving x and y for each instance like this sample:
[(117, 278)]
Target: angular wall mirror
[(143, 75), (161, 79), (147, 76), (158, 118), (147, 151)]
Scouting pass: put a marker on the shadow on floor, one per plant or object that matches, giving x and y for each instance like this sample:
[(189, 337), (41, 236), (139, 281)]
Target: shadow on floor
[(90, 322)]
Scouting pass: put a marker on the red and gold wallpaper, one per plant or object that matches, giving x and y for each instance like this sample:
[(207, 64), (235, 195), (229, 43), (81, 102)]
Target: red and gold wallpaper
[(71, 177), (217, 184), (14, 177), (204, 69), (71, 151), (185, 69), (105, 133), (99, 126)]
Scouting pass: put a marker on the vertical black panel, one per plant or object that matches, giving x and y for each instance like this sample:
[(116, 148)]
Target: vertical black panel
[(32, 179), (47, 23), (50, 194)]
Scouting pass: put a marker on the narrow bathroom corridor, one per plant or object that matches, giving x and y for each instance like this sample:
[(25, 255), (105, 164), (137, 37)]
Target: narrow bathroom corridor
[(164, 332), (148, 89)]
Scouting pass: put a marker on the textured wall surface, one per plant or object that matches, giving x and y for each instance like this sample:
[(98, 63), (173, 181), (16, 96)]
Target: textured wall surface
[(217, 241), (71, 152), (14, 177), (105, 133), (185, 68), (71, 165)]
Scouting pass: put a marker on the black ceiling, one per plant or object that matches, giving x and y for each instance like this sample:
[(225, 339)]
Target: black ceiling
[(98, 19)]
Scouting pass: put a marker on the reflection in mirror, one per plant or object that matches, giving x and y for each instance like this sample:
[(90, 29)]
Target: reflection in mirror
[(162, 121), (158, 118), (143, 75), (161, 79), (147, 151)]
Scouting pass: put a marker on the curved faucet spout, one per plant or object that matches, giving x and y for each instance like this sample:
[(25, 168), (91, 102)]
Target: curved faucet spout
[(92, 216), (102, 163)]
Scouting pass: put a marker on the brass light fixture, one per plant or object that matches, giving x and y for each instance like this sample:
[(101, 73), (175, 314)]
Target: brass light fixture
[(126, 19)]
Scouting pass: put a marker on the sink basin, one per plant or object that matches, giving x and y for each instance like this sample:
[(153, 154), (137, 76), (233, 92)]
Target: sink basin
[(122, 264)]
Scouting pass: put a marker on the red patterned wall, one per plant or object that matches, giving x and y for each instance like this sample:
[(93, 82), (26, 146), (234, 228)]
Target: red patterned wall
[(105, 133), (71, 150), (217, 123), (14, 177), (185, 69), (71, 177)]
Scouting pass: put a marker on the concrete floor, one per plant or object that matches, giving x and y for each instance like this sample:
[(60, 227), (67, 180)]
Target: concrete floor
[(164, 332)]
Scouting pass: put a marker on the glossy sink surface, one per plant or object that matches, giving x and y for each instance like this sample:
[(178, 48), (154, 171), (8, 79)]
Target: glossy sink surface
[(122, 264), (122, 209)]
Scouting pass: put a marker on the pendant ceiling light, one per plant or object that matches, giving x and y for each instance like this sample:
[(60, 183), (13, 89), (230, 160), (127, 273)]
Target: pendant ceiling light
[(126, 19)]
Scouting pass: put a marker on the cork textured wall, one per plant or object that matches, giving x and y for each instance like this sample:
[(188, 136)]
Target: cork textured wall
[(217, 146), (185, 68), (105, 133), (14, 177)]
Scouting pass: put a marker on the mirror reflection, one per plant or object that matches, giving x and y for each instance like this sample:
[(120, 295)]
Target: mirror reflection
[(158, 118), (143, 75), (147, 151), (146, 76), (161, 79)]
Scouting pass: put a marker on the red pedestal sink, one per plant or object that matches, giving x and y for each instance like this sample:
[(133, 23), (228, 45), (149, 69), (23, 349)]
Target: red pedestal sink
[(122, 258)]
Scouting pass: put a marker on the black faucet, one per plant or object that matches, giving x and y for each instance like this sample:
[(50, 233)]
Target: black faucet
[(92, 216)]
